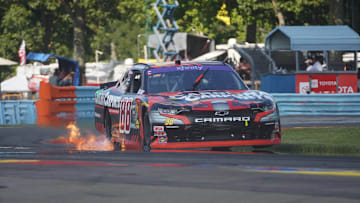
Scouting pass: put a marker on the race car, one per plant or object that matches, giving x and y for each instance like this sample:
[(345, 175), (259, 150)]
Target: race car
[(185, 105)]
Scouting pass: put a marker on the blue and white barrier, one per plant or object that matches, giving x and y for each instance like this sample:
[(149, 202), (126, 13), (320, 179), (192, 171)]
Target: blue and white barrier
[(17, 112), (24, 112), (318, 104)]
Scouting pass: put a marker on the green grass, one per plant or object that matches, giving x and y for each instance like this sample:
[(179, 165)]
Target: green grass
[(318, 141)]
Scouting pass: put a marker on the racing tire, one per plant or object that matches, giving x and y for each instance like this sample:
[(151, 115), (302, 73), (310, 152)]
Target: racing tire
[(107, 125), (108, 130), (146, 147)]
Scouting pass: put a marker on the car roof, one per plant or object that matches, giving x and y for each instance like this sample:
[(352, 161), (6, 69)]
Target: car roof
[(144, 66)]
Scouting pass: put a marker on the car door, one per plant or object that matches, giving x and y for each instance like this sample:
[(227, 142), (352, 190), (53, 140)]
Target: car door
[(128, 120)]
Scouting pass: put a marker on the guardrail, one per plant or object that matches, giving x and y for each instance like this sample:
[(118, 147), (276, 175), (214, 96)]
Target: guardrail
[(54, 107), (318, 104), (17, 112)]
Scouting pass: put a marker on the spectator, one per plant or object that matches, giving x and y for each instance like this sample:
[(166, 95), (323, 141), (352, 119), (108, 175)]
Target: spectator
[(67, 80), (61, 75), (53, 80), (308, 63), (244, 69), (316, 65)]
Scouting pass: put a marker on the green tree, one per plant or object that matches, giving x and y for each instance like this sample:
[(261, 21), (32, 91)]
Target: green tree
[(38, 23), (76, 28), (117, 27)]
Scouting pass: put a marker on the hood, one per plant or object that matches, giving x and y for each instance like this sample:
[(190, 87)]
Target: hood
[(212, 100)]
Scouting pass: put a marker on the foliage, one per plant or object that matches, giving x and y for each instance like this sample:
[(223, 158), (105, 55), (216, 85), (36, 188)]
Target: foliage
[(47, 26)]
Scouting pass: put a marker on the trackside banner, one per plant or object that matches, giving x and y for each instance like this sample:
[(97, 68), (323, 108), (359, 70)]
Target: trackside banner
[(326, 83)]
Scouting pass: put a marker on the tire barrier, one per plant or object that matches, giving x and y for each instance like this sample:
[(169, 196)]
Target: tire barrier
[(59, 105), (318, 104)]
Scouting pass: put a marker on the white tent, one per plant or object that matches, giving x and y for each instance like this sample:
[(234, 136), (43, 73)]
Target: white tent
[(6, 62), (18, 83)]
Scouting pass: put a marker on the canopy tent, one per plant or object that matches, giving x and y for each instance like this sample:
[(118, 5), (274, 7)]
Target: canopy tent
[(65, 64), (6, 62), (313, 39), (18, 83), (189, 45)]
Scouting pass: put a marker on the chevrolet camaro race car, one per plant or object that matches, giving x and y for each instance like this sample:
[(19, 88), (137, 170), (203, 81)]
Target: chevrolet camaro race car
[(188, 105)]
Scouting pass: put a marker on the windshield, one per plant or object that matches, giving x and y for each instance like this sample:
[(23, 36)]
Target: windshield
[(175, 81)]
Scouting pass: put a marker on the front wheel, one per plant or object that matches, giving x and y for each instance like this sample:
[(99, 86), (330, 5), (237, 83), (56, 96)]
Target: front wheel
[(146, 147)]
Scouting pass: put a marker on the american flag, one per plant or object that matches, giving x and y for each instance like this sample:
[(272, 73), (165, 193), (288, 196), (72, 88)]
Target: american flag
[(22, 53)]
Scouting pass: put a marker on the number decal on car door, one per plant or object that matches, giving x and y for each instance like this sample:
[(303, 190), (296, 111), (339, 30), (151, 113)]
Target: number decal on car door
[(125, 114)]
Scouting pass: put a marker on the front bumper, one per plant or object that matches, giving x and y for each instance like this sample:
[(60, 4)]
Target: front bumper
[(176, 145), (217, 135), (181, 131)]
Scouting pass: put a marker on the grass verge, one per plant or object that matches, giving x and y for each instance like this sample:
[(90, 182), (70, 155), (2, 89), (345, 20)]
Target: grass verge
[(318, 141)]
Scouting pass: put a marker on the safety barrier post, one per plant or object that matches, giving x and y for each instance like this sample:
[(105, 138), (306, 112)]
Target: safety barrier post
[(54, 100), (1, 114), (59, 105)]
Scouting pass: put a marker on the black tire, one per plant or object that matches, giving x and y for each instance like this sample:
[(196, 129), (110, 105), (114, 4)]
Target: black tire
[(108, 129), (107, 125), (146, 147)]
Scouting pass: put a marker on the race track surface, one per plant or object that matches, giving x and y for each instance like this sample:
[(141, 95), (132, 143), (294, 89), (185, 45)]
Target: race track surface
[(34, 170)]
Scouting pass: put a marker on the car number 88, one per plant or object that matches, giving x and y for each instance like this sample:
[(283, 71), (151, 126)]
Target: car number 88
[(125, 115)]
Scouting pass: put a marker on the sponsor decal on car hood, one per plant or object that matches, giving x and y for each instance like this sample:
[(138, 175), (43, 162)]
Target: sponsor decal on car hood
[(210, 100), (250, 95)]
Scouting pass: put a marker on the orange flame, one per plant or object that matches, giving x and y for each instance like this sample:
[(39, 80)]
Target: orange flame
[(88, 142)]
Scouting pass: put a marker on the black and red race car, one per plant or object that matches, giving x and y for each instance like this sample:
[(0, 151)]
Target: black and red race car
[(185, 105)]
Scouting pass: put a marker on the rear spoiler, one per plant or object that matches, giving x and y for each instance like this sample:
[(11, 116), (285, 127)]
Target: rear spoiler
[(108, 84)]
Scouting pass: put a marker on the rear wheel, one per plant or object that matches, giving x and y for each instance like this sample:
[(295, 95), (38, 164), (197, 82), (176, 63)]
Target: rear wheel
[(108, 129), (107, 125)]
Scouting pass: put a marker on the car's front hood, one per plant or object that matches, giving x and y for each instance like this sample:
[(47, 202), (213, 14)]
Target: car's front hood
[(213, 98)]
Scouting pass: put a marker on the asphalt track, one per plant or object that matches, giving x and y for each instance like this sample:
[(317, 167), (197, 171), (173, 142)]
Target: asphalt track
[(34, 170)]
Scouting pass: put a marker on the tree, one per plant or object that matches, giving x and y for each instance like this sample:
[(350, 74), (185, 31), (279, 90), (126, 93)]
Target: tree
[(104, 25), (32, 21), (258, 18), (278, 13), (76, 28), (199, 17), (76, 12), (336, 12)]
